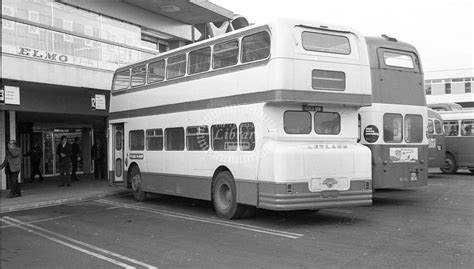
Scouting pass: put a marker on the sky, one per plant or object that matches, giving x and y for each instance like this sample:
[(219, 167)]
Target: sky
[(441, 30)]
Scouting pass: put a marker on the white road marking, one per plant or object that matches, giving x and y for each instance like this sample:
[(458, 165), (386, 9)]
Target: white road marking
[(205, 220), (43, 232), (35, 221), (21, 226), (338, 211)]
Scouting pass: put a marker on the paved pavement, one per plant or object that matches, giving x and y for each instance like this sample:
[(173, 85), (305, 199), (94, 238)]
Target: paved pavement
[(47, 193)]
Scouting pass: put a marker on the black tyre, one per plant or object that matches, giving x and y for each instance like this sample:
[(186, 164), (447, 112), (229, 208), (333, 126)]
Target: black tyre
[(224, 197), (449, 165), (136, 182)]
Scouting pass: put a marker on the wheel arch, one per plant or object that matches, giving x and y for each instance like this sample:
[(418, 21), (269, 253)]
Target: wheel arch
[(130, 167)]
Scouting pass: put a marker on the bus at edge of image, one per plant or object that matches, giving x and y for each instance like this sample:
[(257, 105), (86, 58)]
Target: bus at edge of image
[(394, 127), (436, 140), (459, 131), (249, 119)]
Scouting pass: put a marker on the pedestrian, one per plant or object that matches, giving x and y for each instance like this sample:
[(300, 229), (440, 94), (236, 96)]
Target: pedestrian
[(35, 157), (12, 164), (64, 152), (98, 155), (75, 158)]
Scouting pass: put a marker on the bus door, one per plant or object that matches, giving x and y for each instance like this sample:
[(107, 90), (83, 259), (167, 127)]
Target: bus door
[(118, 152)]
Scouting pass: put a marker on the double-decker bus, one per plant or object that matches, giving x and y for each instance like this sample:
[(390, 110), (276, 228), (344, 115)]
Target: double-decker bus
[(394, 126), (261, 117), (459, 131), (436, 140)]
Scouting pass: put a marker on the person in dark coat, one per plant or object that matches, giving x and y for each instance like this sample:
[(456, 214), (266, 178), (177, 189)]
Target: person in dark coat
[(35, 157), (64, 154), (98, 155), (75, 158), (12, 163)]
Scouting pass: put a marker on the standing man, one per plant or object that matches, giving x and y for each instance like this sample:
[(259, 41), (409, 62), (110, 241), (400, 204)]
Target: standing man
[(64, 153), (35, 157), (98, 155), (12, 163), (75, 158)]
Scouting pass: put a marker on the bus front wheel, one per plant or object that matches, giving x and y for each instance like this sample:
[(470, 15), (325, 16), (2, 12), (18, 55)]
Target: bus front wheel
[(449, 165), (136, 180), (224, 197)]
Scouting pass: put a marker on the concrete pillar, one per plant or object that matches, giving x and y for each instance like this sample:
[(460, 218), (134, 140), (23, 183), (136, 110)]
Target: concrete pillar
[(3, 127), (12, 120)]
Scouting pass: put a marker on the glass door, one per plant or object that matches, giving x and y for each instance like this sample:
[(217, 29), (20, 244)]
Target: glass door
[(49, 156)]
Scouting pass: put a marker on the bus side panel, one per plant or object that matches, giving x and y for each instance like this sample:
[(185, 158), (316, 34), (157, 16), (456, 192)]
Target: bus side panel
[(179, 185), (436, 151), (390, 172), (465, 156)]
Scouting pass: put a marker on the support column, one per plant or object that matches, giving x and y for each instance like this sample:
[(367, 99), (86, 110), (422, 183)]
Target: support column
[(3, 142)]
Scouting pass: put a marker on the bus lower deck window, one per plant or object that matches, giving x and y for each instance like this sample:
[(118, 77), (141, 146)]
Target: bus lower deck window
[(392, 128), (197, 138), (327, 123), (154, 139), (247, 136), (297, 122), (174, 138), (224, 137), (137, 140)]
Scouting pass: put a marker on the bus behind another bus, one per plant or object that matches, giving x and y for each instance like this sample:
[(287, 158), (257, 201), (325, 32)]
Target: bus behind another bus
[(459, 131), (394, 126), (436, 140)]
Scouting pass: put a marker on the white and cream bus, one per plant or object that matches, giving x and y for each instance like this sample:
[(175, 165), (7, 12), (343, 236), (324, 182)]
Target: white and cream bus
[(262, 117)]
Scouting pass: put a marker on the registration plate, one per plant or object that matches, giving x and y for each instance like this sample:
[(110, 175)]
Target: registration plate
[(330, 183), (413, 177)]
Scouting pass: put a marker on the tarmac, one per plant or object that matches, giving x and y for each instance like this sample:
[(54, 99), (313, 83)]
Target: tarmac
[(46, 193)]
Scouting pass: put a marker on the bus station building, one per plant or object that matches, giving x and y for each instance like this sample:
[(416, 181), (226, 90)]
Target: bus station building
[(58, 59)]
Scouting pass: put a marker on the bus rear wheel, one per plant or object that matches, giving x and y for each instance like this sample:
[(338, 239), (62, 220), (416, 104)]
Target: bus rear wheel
[(449, 165), (224, 197), (136, 181)]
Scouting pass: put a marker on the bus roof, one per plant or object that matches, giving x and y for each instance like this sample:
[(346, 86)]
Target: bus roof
[(457, 115), (433, 114), (278, 23)]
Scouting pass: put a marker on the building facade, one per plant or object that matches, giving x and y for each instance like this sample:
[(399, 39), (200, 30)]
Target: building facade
[(58, 59), (450, 86)]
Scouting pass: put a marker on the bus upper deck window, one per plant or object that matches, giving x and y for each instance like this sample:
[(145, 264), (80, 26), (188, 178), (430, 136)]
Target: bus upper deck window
[(413, 128), (225, 54), (337, 44), (255, 47), (327, 123), (122, 80), (156, 71), (398, 60), (297, 122), (138, 75), (392, 128), (176, 66), (199, 60)]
